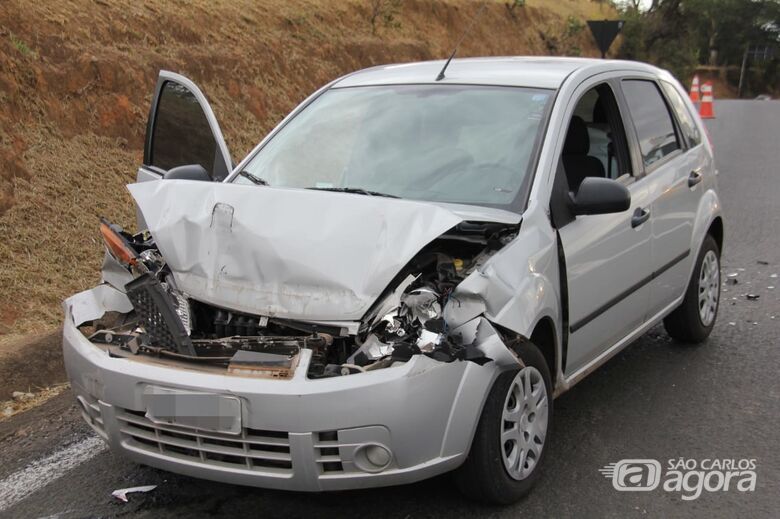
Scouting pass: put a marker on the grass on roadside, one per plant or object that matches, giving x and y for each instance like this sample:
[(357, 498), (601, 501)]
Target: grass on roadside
[(29, 400)]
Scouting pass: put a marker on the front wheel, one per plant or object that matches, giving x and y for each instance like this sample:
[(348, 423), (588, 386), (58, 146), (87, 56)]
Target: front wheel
[(509, 444), (694, 319)]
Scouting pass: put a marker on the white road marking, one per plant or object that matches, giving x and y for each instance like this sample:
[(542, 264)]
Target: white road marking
[(41, 472)]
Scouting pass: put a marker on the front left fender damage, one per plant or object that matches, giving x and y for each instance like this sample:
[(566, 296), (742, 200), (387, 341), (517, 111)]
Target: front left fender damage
[(93, 304), (514, 289)]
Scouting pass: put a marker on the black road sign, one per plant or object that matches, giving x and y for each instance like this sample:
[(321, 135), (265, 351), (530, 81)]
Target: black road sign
[(604, 32)]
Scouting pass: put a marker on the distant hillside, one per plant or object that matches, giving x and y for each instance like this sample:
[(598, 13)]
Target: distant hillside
[(76, 78)]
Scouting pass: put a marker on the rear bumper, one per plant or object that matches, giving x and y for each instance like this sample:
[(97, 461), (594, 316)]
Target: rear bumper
[(298, 434)]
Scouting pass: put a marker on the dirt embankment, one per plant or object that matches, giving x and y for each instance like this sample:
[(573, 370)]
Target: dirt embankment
[(30, 364), (76, 79)]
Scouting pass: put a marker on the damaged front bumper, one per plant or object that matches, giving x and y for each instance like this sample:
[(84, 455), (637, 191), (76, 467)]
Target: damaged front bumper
[(384, 427)]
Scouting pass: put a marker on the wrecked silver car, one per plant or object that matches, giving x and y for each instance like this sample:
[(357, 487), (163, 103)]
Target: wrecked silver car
[(397, 281)]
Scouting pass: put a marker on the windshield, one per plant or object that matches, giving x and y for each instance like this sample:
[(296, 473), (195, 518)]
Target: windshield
[(443, 143)]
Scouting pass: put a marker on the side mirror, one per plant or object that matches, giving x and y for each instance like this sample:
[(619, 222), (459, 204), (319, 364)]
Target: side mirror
[(601, 196), (188, 172)]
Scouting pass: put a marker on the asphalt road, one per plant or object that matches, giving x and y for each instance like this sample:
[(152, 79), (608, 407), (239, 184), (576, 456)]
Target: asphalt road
[(656, 400)]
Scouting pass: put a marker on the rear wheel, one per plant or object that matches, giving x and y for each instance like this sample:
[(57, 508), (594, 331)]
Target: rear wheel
[(509, 444), (694, 319)]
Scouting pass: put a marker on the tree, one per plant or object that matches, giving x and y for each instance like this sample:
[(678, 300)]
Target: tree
[(681, 34), (725, 27)]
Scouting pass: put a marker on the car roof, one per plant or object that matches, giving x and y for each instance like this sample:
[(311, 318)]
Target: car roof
[(526, 71)]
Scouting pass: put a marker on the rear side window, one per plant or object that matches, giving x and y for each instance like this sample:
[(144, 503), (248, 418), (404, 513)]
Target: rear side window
[(652, 121), (687, 124), (182, 134)]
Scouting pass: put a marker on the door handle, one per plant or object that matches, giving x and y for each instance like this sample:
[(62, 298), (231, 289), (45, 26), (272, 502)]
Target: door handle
[(640, 217), (694, 178)]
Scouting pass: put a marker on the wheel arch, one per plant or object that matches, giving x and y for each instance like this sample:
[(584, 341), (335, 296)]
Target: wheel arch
[(545, 338), (708, 221), (716, 231)]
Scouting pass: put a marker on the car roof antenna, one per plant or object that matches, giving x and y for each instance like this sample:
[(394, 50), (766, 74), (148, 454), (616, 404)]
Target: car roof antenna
[(462, 36)]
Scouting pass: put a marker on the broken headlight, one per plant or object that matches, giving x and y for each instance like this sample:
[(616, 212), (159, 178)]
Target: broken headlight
[(421, 304), (118, 243)]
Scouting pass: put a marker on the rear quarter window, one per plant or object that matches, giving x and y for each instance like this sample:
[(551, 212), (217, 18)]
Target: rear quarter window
[(653, 123), (687, 123)]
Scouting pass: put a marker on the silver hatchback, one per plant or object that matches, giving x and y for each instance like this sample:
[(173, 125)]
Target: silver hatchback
[(400, 278)]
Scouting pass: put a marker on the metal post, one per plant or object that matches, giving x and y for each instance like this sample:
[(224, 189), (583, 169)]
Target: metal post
[(742, 72)]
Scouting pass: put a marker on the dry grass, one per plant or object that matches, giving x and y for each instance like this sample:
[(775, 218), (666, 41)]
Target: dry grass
[(75, 84), (588, 10), (50, 247), (38, 396)]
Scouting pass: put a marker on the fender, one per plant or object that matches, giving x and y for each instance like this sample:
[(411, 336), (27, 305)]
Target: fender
[(518, 286), (709, 209)]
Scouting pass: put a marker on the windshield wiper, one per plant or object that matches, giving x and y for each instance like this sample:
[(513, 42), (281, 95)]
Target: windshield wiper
[(257, 180), (354, 190)]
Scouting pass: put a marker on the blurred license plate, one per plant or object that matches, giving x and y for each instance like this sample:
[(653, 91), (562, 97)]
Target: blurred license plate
[(193, 409)]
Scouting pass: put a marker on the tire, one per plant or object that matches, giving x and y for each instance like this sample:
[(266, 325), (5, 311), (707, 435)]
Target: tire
[(687, 324), (484, 475)]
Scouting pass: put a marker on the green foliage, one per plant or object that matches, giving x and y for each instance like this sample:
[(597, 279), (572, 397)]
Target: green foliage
[(563, 39), (656, 37), (511, 6), (384, 12), (574, 26), (21, 46), (679, 35)]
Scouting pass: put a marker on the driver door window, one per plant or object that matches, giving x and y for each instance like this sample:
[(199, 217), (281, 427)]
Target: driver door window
[(182, 130), (595, 143), (182, 134)]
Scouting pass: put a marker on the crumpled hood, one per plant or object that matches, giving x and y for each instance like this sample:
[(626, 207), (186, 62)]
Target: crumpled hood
[(299, 254)]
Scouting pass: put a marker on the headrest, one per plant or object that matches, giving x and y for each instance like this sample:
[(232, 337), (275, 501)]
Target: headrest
[(577, 140)]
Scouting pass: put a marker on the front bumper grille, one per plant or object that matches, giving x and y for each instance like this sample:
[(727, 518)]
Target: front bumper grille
[(90, 411), (266, 452), (327, 453), (157, 311)]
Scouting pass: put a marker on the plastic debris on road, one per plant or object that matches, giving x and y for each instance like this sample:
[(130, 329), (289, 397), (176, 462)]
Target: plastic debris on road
[(121, 493)]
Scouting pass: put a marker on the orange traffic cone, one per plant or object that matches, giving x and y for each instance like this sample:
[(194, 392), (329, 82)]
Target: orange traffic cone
[(695, 89), (705, 110)]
